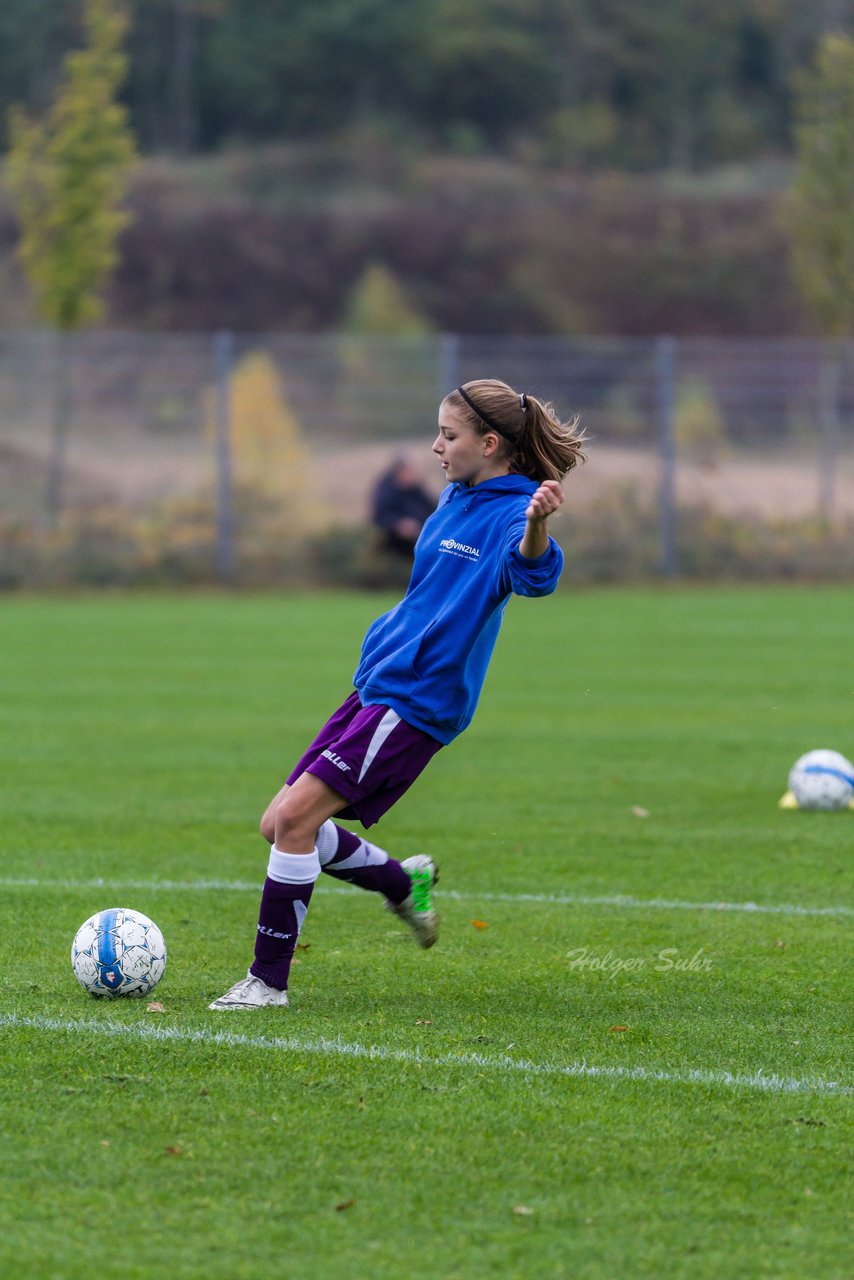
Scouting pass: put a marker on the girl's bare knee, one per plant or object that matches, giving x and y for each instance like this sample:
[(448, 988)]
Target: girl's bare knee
[(293, 827), (285, 822)]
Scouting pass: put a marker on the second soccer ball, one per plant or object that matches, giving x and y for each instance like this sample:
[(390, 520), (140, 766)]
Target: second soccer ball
[(822, 780)]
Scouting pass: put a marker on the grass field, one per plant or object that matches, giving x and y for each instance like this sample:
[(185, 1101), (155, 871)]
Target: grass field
[(498, 1106)]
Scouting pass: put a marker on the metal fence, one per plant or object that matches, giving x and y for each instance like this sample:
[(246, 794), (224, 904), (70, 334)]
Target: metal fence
[(158, 449)]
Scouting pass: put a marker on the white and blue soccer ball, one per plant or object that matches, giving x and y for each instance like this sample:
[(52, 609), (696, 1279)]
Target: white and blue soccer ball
[(822, 780), (118, 953)]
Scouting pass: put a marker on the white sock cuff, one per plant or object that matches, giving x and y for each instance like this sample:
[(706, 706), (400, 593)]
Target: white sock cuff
[(293, 868), (327, 842)]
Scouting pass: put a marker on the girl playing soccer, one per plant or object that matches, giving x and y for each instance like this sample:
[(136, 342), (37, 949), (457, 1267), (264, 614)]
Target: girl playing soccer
[(421, 671)]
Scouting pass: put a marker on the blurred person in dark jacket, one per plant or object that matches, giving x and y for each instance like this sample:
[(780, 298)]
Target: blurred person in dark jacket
[(400, 506)]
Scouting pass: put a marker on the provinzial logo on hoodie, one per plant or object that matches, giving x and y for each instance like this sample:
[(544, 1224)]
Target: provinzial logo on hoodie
[(459, 549)]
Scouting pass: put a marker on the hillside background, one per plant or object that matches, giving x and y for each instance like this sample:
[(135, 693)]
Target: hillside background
[(500, 166)]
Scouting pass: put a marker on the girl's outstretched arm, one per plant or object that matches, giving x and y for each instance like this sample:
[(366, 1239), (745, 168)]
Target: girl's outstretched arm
[(543, 504)]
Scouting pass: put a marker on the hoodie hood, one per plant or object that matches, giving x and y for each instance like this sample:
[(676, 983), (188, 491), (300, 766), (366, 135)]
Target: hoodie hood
[(497, 487)]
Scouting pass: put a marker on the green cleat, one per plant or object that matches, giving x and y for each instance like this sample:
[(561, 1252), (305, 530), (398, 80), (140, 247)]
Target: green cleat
[(417, 910)]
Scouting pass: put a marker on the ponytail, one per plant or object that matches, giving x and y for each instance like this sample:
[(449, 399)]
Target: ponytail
[(534, 441)]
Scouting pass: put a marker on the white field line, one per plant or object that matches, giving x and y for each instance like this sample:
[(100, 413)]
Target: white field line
[(757, 1081), (620, 901)]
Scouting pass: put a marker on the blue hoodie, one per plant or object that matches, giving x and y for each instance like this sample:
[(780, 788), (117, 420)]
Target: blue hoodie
[(427, 657)]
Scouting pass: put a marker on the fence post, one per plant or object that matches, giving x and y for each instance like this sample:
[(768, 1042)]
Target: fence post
[(449, 363), (224, 362), (60, 426), (665, 380), (828, 409)]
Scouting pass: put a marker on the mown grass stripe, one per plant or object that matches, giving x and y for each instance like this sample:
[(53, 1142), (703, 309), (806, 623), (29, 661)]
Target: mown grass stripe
[(624, 901), (757, 1081)]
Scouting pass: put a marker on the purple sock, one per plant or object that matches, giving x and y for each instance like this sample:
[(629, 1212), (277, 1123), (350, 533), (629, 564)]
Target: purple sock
[(347, 857), (284, 903)]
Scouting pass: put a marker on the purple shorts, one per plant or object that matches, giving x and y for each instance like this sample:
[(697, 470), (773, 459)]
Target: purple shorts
[(369, 756)]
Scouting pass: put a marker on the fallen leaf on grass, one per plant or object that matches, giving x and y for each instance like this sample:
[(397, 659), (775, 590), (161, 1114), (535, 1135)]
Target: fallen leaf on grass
[(480, 924), (345, 1204), (154, 1007), (423, 1022), (523, 1210), (177, 1150), (618, 1028)]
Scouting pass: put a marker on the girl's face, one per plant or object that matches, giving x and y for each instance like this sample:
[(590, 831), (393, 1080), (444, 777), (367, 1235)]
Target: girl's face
[(465, 456)]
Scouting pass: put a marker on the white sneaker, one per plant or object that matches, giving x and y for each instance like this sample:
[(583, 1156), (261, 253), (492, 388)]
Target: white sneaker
[(417, 910), (250, 993)]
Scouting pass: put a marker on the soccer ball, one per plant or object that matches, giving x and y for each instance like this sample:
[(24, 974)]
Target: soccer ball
[(822, 780), (118, 953)]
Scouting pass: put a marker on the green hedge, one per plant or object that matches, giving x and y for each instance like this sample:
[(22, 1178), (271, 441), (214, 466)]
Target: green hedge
[(616, 539)]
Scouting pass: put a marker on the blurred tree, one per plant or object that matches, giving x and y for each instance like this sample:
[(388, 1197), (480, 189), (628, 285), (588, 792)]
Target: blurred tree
[(165, 45), (279, 70), (269, 449), (67, 175), (679, 82), (688, 81), (699, 425), (820, 211), (273, 465), (485, 72), (378, 308), (378, 305), (820, 217), (668, 71)]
